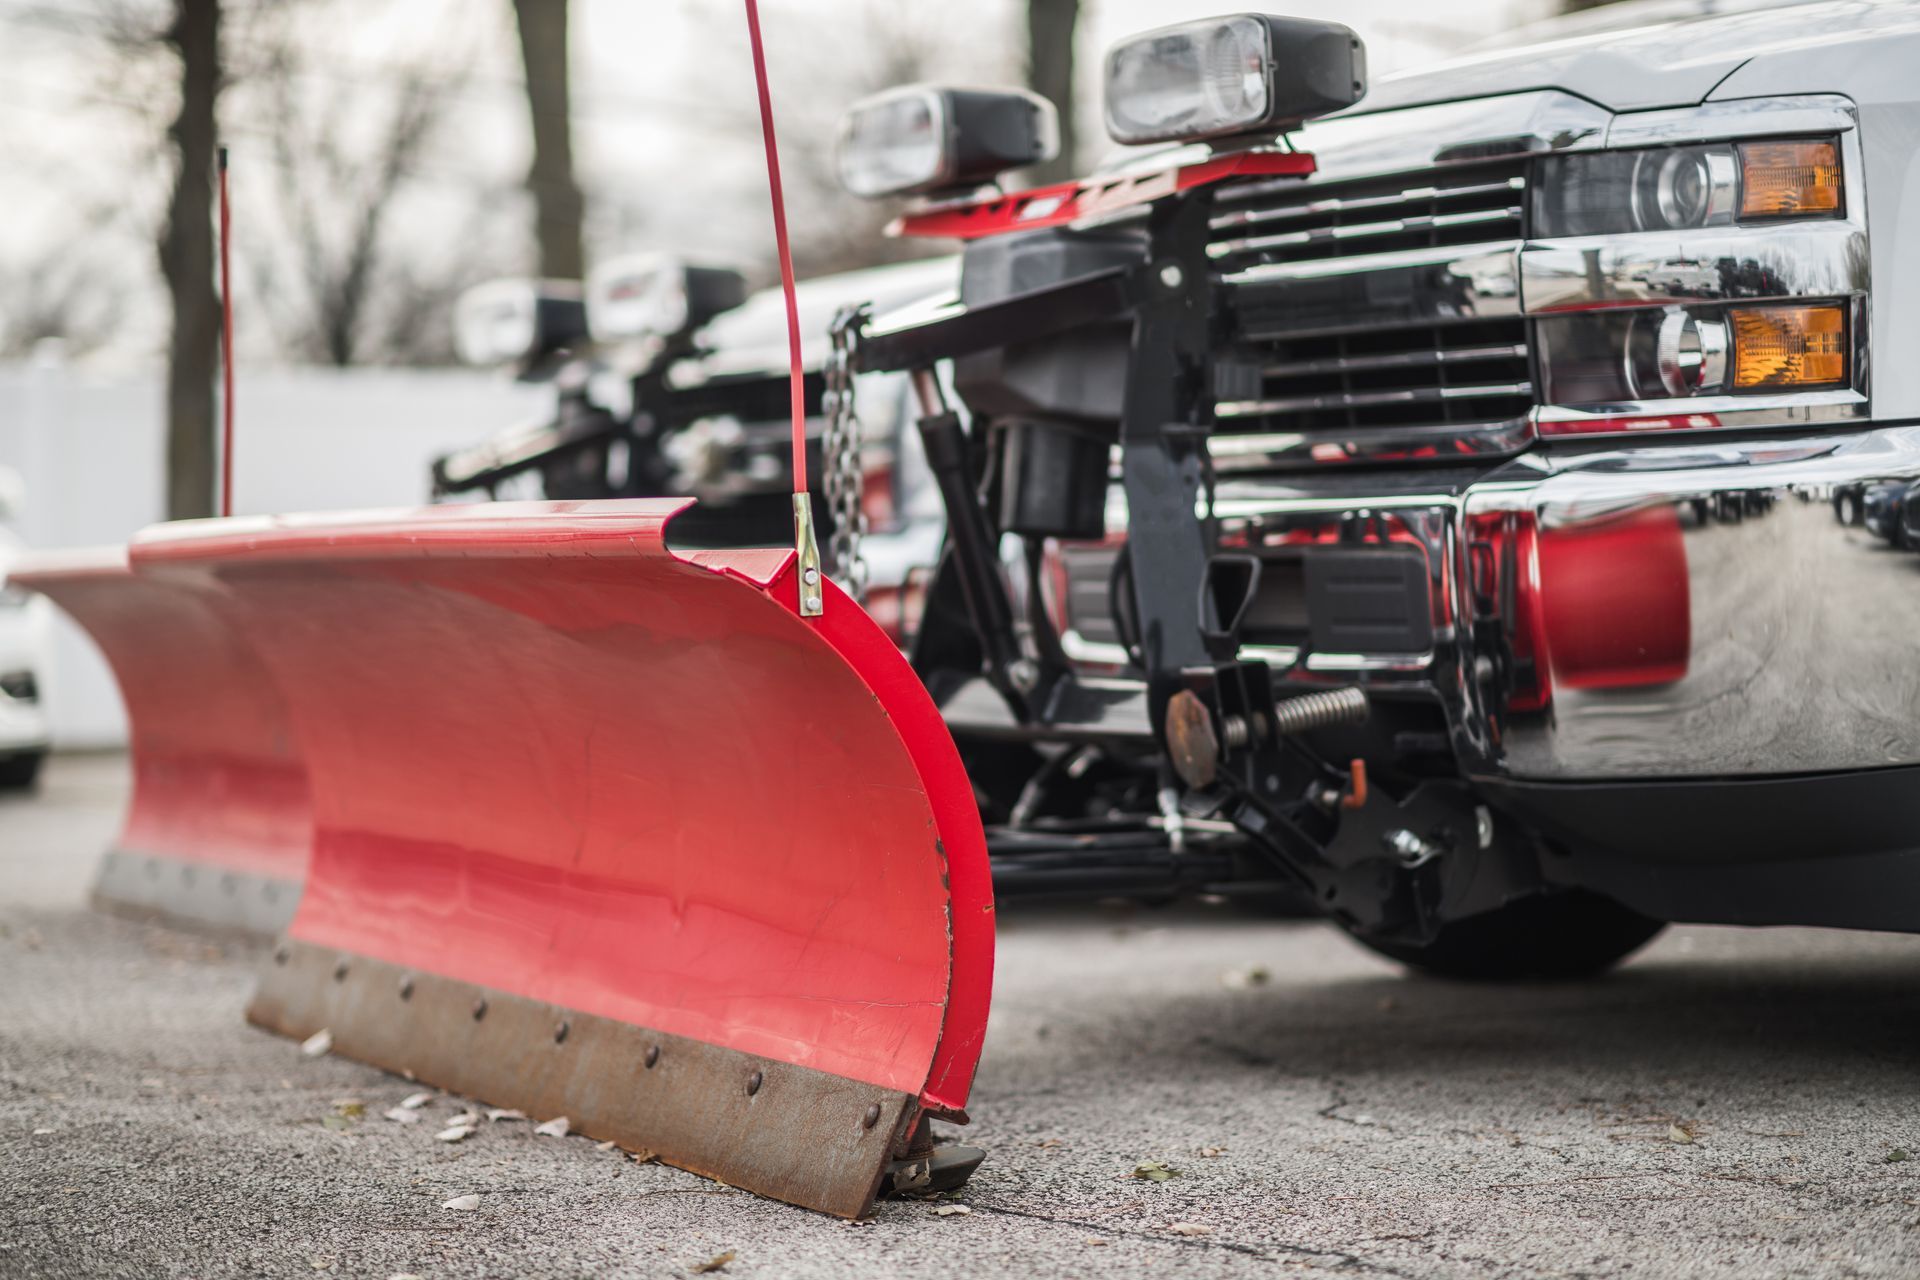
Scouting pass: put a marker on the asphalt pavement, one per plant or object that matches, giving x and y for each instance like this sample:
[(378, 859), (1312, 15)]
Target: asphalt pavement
[(1730, 1104)]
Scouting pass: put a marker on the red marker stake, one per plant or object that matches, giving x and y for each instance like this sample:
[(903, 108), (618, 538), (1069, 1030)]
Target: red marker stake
[(806, 549), (226, 344)]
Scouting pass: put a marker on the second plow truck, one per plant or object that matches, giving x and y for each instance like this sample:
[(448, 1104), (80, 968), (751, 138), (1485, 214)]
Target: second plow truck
[(1322, 503)]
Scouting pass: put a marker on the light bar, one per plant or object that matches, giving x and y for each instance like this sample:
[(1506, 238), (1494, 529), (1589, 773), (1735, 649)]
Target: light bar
[(923, 138), (1247, 73)]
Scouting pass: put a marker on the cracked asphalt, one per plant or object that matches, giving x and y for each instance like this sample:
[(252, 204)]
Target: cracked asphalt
[(1731, 1103)]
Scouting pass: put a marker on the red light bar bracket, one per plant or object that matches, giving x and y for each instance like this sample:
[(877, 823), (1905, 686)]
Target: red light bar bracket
[(1068, 202)]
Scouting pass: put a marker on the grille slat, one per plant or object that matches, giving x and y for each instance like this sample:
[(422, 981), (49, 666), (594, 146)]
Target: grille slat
[(1390, 345)]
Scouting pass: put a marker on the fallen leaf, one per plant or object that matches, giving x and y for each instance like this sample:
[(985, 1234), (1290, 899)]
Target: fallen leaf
[(400, 1115), (455, 1133), (1241, 979), (1898, 1156), (505, 1113), (558, 1127), (1679, 1133), (1095, 1242), (605, 1146), (351, 1108), (948, 1210), (715, 1263), (1189, 1229), (339, 1124), (41, 1133), (462, 1203), (414, 1101), (1212, 1153), (318, 1044), (1154, 1171), (404, 1275), (644, 1157)]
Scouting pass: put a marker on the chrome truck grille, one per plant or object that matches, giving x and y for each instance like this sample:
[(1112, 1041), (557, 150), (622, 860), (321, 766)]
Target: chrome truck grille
[(1372, 320)]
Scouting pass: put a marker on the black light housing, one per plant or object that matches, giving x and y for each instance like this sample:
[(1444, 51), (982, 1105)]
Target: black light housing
[(1242, 74), (925, 138)]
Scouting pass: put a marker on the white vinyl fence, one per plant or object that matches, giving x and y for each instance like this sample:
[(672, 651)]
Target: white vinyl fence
[(91, 450)]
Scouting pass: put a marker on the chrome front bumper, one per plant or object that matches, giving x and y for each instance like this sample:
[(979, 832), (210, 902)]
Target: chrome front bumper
[(1740, 628)]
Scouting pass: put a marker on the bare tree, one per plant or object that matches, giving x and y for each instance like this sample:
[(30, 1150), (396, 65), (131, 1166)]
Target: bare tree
[(340, 283), (186, 262), (818, 69), (558, 205), (1050, 32)]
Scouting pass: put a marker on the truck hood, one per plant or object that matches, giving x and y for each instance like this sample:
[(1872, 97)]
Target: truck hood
[(1674, 60)]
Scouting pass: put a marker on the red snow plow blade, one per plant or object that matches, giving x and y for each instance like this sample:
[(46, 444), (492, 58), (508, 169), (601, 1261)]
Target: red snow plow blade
[(218, 830), (605, 832)]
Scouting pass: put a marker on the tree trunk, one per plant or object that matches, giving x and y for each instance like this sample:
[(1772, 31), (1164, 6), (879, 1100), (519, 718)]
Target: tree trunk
[(1050, 25), (186, 260), (556, 197)]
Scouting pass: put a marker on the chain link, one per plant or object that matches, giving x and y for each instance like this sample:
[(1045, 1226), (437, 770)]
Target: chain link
[(840, 452)]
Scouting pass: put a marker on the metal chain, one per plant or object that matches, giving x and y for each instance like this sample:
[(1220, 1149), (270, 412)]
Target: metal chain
[(840, 452)]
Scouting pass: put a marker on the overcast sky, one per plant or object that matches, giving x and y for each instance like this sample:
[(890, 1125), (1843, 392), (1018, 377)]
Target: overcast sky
[(663, 118)]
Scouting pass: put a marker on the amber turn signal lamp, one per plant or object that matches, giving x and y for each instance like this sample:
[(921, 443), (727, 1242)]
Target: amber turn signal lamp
[(1789, 179), (1789, 346)]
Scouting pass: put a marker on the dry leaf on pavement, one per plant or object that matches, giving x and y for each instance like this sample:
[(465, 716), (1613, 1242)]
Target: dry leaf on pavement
[(558, 1127), (317, 1045)]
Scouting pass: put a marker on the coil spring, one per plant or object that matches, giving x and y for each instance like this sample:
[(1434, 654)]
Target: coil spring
[(1320, 710)]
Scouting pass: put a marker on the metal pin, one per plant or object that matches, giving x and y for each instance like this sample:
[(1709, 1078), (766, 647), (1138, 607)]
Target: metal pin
[(281, 955), (406, 987), (479, 1008), (560, 1032), (653, 1055), (754, 1082), (340, 971), (872, 1117)]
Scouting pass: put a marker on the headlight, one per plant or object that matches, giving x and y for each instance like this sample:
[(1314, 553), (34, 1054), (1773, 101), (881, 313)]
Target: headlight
[(921, 138), (1607, 357), (657, 295), (515, 321), (1681, 188), (1243, 74)]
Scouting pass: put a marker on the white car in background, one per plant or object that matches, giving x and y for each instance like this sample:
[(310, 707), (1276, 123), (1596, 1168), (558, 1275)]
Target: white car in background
[(26, 637)]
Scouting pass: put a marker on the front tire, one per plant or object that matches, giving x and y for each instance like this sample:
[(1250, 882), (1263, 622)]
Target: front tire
[(19, 773), (1573, 934)]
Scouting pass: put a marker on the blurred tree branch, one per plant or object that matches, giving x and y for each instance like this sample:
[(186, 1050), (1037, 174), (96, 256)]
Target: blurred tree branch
[(559, 207), (1050, 32), (186, 262)]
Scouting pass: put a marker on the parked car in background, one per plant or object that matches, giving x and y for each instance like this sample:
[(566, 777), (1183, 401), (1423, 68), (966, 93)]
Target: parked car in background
[(1883, 511), (25, 640)]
